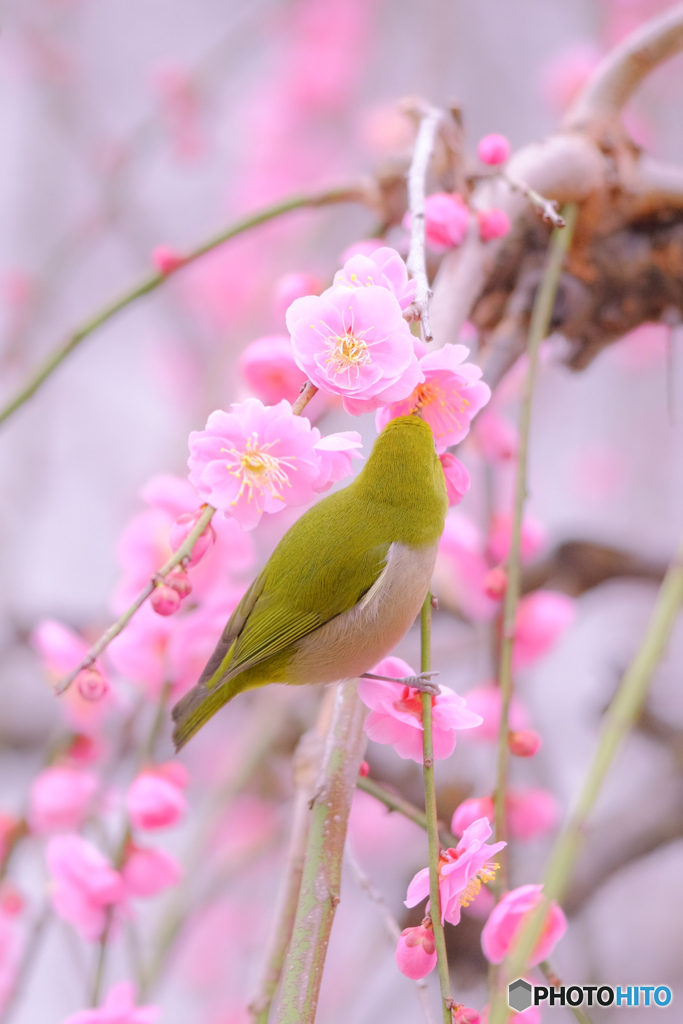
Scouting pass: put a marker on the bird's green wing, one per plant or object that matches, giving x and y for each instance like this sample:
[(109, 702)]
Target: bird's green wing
[(319, 592)]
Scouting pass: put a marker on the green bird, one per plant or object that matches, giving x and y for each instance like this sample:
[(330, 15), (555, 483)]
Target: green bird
[(342, 587)]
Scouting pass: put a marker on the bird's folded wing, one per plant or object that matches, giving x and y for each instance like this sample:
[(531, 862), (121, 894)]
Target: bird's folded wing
[(274, 623)]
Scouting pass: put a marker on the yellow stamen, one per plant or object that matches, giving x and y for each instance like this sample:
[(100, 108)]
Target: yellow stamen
[(258, 470), (473, 888)]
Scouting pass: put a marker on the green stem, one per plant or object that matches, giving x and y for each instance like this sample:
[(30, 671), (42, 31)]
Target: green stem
[(183, 552), (540, 323), (430, 808), (621, 717), (552, 979), (327, 197)]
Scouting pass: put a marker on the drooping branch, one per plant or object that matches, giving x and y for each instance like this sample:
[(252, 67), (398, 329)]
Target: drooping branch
[(355, 193), (620, 719)]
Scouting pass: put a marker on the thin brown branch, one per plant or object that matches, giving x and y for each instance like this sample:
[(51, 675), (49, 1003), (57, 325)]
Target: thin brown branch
[(422, 154)]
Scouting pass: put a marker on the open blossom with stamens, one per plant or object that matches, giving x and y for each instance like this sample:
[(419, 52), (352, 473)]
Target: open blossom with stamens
[(355, 343), (462, 872), (258, 459), (506, 920), (384, 267), (396, 713), (448, 398)]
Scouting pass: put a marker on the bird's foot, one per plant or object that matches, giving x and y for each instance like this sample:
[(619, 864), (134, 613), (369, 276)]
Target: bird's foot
[(422, 682)]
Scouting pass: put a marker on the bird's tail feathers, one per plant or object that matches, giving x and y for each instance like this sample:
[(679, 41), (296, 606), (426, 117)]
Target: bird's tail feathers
[(196, 708)]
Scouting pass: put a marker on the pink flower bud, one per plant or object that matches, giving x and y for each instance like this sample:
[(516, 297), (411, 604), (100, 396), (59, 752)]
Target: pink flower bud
[(181, 529), (165, 600), (446, 219), (416, 952), (166, 260), (496, 583), (155, 801), (492, 224), (364, 769), (524, 742), (293, 286), (470, 811), (91, 684), (493, 149), (84, 750), (465, 1015), (179, 581)]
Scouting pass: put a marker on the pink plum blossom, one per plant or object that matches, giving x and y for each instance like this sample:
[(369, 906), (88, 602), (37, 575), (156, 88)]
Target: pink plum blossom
[(496, 583), (493, 149), (60, 799), (496, 437), (485, 701), (85, 885), (506, 919), (149, 540), (534, 537), (148, 871), (118, 1008), (336, 453), (155, 799), (61, 649), (355, 343), (416, 952), (269, 368), (255, 459), (462, 872), (449, 397), (457, 477), (542, 618), (531, 813), (396, 713), (290, 287), (492, 224), (385, 268), (446, 221)]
